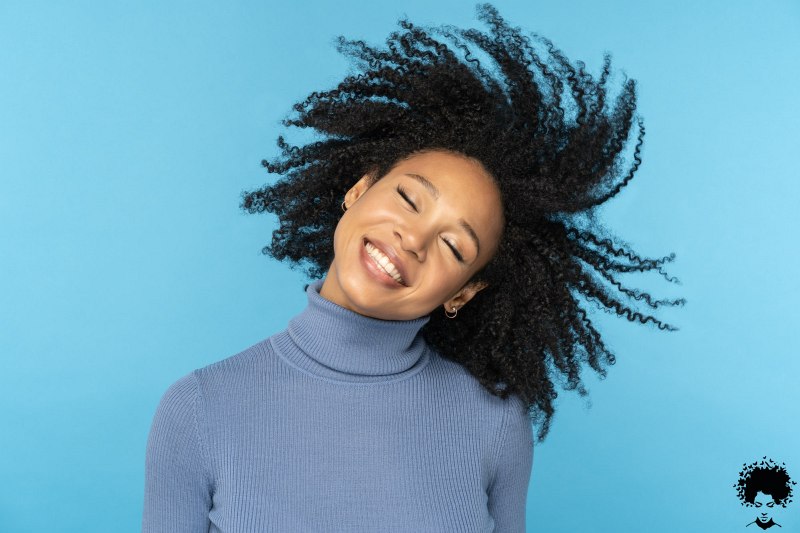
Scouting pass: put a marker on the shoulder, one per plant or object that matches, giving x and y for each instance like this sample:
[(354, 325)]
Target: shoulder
[(237, 366), (234, 372), (179, 397), (459, 381)]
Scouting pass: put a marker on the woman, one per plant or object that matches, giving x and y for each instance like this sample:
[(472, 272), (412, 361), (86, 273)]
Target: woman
[(437, 185)]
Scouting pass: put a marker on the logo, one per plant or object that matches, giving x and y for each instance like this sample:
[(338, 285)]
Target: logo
[(764, 485)]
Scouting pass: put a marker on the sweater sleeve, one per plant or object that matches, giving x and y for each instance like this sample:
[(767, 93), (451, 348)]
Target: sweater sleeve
[(177, 494), (508, 492)]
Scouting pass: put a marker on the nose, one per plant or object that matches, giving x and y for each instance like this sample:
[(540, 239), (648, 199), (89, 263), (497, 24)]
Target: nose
[(413, 239)]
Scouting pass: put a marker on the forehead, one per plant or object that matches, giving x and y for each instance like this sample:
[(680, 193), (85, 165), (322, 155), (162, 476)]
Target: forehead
[(446, 166), (462, 182)]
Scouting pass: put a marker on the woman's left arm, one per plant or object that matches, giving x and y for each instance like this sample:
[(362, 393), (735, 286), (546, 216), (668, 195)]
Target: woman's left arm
[(508, 492)]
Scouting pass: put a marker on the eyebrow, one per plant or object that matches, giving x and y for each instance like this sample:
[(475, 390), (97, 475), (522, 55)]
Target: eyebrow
[(431, 188)]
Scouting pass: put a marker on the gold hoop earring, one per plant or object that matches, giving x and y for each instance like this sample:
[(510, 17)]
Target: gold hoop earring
[(454, 309), (343, 207)]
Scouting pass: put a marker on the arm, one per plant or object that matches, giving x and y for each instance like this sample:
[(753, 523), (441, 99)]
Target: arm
[(508, 492), (177, 494)]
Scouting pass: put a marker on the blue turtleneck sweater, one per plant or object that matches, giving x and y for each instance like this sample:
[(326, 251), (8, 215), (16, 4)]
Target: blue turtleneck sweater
[(341, 422)]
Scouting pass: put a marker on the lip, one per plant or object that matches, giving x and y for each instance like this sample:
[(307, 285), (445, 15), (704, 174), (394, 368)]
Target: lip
[(389, 252)]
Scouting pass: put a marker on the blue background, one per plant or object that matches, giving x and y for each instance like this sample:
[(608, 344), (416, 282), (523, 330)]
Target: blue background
[(128, 131)]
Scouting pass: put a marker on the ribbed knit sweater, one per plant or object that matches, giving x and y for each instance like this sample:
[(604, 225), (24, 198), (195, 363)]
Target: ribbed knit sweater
[(339, 423)]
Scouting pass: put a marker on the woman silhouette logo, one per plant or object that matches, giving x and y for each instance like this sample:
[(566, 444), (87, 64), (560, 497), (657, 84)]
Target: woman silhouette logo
[(763, 485)]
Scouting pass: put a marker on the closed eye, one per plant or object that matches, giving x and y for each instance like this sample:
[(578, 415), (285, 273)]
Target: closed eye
[(402, 193), (458, 255)]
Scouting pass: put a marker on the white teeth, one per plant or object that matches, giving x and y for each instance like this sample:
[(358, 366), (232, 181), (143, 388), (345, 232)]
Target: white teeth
[(384, 262)]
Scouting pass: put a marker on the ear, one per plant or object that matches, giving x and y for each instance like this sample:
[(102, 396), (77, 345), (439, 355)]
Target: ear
[(464, 295), (355, 192)]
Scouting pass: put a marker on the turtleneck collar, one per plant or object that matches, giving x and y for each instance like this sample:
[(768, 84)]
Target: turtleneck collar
[(333, 342)]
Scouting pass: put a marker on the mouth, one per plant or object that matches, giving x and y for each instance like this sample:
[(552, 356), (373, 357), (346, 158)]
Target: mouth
[(385, 262)]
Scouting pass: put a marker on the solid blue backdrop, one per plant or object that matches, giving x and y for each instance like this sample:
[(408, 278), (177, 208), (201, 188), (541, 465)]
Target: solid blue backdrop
[(128, 131)]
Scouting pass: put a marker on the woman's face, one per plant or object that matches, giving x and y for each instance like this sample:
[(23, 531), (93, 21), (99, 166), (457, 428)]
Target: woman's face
[(765, 505), (428, 243)]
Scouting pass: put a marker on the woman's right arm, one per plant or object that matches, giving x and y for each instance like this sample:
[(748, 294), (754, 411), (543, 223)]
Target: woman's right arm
[(178, 489)]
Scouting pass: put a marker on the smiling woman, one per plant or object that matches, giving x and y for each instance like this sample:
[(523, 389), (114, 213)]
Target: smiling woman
[(425, 220), (463, 189)]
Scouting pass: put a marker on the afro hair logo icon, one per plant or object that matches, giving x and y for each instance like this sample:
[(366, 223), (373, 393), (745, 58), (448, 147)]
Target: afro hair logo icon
[(766, 486)]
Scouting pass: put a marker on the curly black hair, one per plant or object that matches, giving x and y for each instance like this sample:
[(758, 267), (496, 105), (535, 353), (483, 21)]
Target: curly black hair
[(765, 476), (554, 164)]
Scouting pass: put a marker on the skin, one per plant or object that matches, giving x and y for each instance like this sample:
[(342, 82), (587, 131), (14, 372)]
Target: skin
[(435, 277)]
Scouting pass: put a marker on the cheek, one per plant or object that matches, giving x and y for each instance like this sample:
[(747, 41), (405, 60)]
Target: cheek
[(338, 234), (344, 237), (444, 283)]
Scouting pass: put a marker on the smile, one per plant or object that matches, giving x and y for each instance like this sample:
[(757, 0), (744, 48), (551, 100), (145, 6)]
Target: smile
[(383, 262)]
